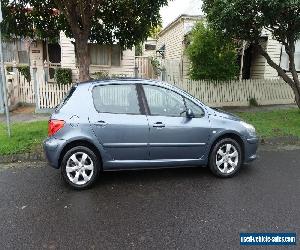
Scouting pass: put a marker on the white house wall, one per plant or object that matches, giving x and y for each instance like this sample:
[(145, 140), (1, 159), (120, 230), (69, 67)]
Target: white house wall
[(36, 53), (260, 69), (274, 50), (173, 39), (68, 60)]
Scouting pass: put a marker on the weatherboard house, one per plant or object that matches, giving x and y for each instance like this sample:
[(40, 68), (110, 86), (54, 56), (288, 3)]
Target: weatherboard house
[(104, 58), (172, 43)]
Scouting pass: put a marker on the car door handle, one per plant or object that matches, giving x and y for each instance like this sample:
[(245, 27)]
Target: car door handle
[(101, 123), (158, 125)]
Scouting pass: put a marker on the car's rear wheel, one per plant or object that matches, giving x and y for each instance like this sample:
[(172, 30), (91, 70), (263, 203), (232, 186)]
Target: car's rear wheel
[(225, 158), (80, 167)]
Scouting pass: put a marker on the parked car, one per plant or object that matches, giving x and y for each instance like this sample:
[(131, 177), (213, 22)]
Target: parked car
[(137, 124)]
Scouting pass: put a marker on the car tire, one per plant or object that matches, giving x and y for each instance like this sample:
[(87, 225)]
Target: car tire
[(80, 167), (225, 158)]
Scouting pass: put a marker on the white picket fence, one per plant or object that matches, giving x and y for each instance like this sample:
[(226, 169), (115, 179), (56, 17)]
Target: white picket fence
[(25, 90), (238, 93), (217, 94), (50, 94)]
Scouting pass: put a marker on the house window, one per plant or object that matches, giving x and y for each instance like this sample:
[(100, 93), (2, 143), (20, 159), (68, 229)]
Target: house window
[(105, 55), (115, 55), (22, 52), (284, 59), (150, 47), (9, 51)]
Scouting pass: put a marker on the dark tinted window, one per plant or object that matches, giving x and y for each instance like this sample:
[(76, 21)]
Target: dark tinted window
[(164, 102), (117, 99)]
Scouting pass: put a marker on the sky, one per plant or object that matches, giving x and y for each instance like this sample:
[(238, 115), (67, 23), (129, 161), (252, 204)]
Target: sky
[(178, 7)]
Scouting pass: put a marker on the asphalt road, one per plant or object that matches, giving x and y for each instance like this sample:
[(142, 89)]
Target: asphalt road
[(163, 209)]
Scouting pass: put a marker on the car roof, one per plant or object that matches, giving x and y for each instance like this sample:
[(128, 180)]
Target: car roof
[(92, 83)]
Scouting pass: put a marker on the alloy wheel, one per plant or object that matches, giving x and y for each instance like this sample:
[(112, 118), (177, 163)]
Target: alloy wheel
[(227, 158), (80, 168)]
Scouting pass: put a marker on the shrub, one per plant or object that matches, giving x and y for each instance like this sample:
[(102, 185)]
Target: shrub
[(116, 76), (157, 67), (25, 71), (100, 75), (212, 56), (63, 76), (253, 102)]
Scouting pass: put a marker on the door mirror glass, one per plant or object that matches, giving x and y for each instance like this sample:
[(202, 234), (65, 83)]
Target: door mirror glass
[(190, 113), (196, 110)]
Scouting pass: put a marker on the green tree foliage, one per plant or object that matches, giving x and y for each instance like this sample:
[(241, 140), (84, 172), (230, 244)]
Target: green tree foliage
[(126, 22), (247, 19), (211, 55)]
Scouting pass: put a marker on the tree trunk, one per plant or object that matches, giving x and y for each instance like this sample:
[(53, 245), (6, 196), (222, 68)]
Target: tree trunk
[(297, 96), (83, 58)]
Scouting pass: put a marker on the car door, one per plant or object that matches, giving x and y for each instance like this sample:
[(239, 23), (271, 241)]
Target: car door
[(172, 134), (119, 122)]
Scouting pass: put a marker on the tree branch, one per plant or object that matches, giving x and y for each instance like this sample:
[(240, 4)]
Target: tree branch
[(291, 53), (274, 65)]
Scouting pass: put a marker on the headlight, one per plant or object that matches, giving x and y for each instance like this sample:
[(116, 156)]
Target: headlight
[(250, 128)]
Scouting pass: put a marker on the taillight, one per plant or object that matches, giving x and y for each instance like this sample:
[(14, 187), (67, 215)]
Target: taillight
[(54, 126)]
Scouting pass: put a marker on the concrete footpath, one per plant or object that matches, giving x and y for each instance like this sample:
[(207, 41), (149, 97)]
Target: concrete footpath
[(24, 114)]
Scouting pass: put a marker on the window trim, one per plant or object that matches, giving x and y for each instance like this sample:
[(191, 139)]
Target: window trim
[(109, 65), (281, 53), (147, 109), (141, 109)]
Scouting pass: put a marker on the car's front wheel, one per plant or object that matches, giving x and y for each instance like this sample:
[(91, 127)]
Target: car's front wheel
[(80, 167), (225, 158)]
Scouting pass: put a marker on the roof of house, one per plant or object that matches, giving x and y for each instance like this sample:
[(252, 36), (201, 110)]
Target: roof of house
[(178, 19)]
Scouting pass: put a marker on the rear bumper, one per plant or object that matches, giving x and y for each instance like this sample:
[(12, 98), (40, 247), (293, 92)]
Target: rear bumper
[(53, 148), (251, 146)]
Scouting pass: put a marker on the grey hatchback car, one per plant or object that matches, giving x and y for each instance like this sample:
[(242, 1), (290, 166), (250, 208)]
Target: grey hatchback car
[(137, 124)]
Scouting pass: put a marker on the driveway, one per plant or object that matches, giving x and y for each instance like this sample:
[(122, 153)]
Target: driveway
[(163, 209)]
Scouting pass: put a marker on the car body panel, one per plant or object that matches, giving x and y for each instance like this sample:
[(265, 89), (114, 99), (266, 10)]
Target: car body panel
[(131, 142), (179, 138)]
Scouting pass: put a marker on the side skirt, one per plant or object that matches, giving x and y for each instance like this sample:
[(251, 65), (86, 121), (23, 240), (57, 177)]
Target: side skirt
[(152, 164)]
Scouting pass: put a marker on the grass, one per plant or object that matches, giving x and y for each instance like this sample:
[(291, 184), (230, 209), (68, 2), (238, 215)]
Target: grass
[(26, 137), (274, 123)]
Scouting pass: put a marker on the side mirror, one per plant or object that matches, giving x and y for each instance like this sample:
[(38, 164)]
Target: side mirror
[(190, 114)]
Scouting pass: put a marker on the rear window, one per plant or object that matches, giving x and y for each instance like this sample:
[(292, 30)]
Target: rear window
[(66, 98), (116, 99)]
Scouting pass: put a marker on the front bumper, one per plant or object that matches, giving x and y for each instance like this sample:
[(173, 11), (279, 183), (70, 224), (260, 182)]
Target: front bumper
[(251, 146), (53, 148)]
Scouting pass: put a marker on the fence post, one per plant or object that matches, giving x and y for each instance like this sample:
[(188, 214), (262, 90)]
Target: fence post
[(16, 78), (35, 84), (46, 72), (136, 71), (163, 74)]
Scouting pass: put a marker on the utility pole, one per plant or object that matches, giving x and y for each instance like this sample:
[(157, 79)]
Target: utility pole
[(2, 79)]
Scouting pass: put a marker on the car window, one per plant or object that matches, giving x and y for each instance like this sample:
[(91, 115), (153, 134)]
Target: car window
[(117, 99), (66, 98), (164, 102), (198, 111)]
